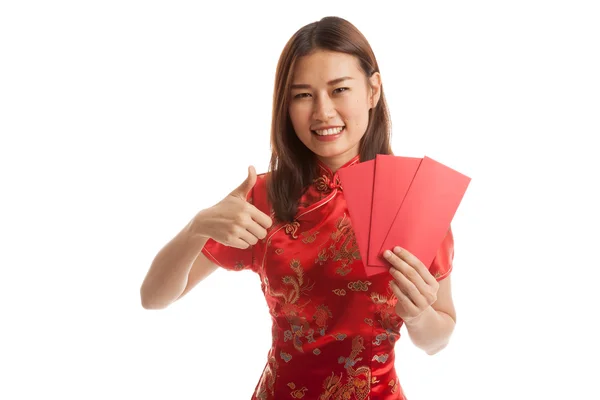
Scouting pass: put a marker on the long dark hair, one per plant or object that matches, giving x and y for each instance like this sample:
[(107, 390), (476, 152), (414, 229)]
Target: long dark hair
[(292, 164)]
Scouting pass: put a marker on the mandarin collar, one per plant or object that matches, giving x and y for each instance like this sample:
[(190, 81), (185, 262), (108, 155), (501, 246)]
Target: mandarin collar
[(327, 179), (325, 170)]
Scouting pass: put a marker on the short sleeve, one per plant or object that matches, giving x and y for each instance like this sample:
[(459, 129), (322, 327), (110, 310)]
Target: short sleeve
[(230, 258), (442, 263)]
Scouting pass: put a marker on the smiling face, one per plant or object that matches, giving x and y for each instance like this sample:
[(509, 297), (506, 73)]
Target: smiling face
[(329, 105)]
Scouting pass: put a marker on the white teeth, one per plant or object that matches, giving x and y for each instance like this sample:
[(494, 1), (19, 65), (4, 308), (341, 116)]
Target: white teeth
[(331, 131)]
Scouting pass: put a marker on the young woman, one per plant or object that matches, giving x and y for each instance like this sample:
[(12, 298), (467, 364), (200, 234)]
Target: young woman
[(334, 328)]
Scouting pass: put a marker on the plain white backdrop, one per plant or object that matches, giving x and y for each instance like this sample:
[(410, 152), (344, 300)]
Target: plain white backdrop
[(120, 120)]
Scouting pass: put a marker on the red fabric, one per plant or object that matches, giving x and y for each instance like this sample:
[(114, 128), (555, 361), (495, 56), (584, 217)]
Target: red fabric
[(334, 328)]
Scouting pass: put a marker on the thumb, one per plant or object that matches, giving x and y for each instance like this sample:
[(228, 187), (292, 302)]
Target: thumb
[(246, 186)]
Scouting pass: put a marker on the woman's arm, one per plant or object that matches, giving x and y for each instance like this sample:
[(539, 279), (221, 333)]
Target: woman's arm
[(177, 267), (424, 303), (233, 222), (431, 331)]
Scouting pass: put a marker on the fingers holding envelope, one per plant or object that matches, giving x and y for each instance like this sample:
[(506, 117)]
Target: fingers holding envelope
[(414, 286)]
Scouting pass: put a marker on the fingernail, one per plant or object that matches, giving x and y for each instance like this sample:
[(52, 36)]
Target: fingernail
[(387, 254), (397, 249)]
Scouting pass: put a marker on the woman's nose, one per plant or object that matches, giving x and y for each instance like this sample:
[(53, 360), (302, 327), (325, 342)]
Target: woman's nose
[(324, 109)]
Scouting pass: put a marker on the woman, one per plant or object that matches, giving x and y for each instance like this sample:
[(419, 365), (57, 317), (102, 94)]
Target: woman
[(334, 328)]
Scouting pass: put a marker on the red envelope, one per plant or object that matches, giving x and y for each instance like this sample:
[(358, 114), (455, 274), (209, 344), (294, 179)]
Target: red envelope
[(427, 210), (393, 176), (357, 181)]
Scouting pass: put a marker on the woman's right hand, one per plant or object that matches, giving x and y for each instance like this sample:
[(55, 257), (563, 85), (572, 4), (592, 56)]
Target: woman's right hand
[(234, 221)]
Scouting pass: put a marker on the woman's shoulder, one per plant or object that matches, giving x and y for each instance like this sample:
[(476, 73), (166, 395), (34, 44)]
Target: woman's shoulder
[(261, 181)]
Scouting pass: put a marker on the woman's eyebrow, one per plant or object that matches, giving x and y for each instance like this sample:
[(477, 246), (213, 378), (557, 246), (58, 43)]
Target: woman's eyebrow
[(330, 83)]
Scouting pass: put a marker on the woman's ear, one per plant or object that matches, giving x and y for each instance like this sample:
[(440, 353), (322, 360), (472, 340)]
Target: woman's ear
[(375, 89)]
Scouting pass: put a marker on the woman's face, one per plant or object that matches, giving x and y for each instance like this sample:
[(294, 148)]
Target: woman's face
[(330, 103)]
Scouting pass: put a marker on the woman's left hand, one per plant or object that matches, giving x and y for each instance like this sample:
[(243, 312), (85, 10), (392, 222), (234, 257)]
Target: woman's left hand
[(413, 284)]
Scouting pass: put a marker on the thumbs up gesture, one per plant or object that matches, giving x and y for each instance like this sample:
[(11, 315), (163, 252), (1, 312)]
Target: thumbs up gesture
[(234, 221)]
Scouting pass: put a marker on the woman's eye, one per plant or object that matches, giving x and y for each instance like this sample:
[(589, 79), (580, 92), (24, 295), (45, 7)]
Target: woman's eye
[(304, 95)]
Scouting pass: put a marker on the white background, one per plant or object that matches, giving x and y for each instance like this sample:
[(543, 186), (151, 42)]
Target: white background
[(120, 120)]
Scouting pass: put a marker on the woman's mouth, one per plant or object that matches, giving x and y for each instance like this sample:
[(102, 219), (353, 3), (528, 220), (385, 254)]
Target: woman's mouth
[(327, 135)]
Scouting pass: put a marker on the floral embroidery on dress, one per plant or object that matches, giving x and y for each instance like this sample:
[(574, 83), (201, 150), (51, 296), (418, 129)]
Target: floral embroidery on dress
[(325, 184), (389, 320), (300, 328), (358, 384), (322, 314), (291, 229)]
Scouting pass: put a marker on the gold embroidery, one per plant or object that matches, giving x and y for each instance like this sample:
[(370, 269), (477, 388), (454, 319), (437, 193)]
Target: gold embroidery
[(339, 292), (394, 385), (382, 358), (300, 327), (298, 394), (267, 380), (308, 238), (342, 227), (321, 315), (291, 229), (380, 338), (359, 286), (389, 320), (322, 184), (348, 250), (340, 336), (322, 257), (359, 379), (378, 299), (330, 385), (279, 251), (285, 357)]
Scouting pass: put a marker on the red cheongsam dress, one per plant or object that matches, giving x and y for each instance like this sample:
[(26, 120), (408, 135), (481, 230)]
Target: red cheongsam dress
[(334, 328)]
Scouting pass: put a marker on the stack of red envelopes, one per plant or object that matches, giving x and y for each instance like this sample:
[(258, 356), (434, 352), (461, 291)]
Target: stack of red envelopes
[(401, 201)]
